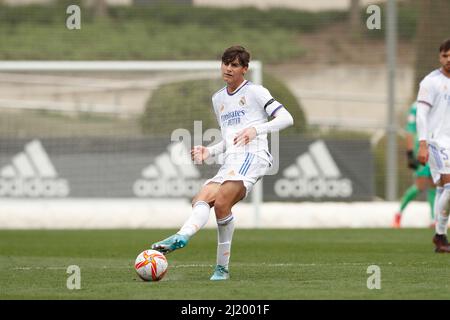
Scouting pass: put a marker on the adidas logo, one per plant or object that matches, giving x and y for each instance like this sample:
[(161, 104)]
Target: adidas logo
[(314, 174), (32, 174), (171, 175)]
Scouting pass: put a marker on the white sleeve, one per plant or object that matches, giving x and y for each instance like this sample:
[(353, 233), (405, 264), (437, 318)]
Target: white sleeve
[(422, 120), (265, 100), (283, 119), (216, 149), (426, 92)]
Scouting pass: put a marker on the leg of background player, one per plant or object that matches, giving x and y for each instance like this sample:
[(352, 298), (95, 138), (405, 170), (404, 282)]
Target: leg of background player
[(409, 195)]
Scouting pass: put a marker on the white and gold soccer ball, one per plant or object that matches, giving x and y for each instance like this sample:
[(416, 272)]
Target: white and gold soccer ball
[(151, 265)]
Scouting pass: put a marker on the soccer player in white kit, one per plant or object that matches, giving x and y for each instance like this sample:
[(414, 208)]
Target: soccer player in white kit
[(242, 110), (433, 125)]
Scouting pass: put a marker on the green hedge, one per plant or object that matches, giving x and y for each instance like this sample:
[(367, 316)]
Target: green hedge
[(226, 18), (155, 32), (173, 14)]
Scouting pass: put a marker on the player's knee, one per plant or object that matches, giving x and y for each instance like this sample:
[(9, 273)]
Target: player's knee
[(221, 207), (197, 199), (207, 197)]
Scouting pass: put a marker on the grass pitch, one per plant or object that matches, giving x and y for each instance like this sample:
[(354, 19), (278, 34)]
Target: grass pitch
[(265, 264)]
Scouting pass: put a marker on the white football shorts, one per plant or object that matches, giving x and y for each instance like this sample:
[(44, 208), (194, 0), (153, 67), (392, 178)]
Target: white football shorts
[(439, 160), (245, 167)]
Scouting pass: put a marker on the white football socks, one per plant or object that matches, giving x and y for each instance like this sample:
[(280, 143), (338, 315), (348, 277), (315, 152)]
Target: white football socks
[(225, 229), (442, 209), (439, 191), (197, 220)]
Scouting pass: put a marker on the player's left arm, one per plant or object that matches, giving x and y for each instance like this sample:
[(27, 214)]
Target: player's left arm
[(282, 119)]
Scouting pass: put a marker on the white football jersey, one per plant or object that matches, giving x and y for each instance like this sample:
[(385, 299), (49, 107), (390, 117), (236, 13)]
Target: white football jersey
[(435, 92), (248, 105)]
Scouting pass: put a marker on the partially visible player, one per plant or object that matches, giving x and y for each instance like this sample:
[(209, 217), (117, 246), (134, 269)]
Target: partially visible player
[(242, 109), (433, 126), (422, 173)]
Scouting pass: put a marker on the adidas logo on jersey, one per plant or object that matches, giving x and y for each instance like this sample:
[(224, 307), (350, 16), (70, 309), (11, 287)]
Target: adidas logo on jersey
[(314, 174), (32, 174), (171, 175)]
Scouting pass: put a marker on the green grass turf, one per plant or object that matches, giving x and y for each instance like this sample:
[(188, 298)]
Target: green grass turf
[(266, 264)]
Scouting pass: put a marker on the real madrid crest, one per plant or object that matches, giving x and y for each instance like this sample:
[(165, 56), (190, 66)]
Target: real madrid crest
[(242, 101)]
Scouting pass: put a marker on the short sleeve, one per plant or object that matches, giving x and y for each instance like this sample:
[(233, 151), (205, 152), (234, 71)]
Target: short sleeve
[(265, 100)]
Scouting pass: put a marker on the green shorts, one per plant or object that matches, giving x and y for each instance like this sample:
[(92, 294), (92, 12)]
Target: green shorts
[(423, 171)]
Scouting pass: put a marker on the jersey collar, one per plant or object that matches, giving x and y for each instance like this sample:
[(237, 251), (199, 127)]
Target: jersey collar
[(238, 88), (442, 71)]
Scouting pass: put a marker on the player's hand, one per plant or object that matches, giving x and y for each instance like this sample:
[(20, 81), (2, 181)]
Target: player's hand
[(413, 163), (245, 136), (422, 154), (199, 154)]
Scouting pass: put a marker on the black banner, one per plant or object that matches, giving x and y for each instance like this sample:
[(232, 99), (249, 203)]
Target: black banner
[(318, 170), (159, 168)]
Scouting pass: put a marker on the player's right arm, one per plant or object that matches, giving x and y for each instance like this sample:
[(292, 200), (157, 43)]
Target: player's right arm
[(201, 153), (424, 104), (422, 116)]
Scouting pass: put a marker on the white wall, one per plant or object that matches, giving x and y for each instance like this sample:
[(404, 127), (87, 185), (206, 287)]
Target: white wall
[(170, 213), (345, 94)]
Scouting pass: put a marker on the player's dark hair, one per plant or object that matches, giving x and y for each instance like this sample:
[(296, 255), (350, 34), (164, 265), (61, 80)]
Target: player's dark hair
[(234, 52), (445, 46)]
